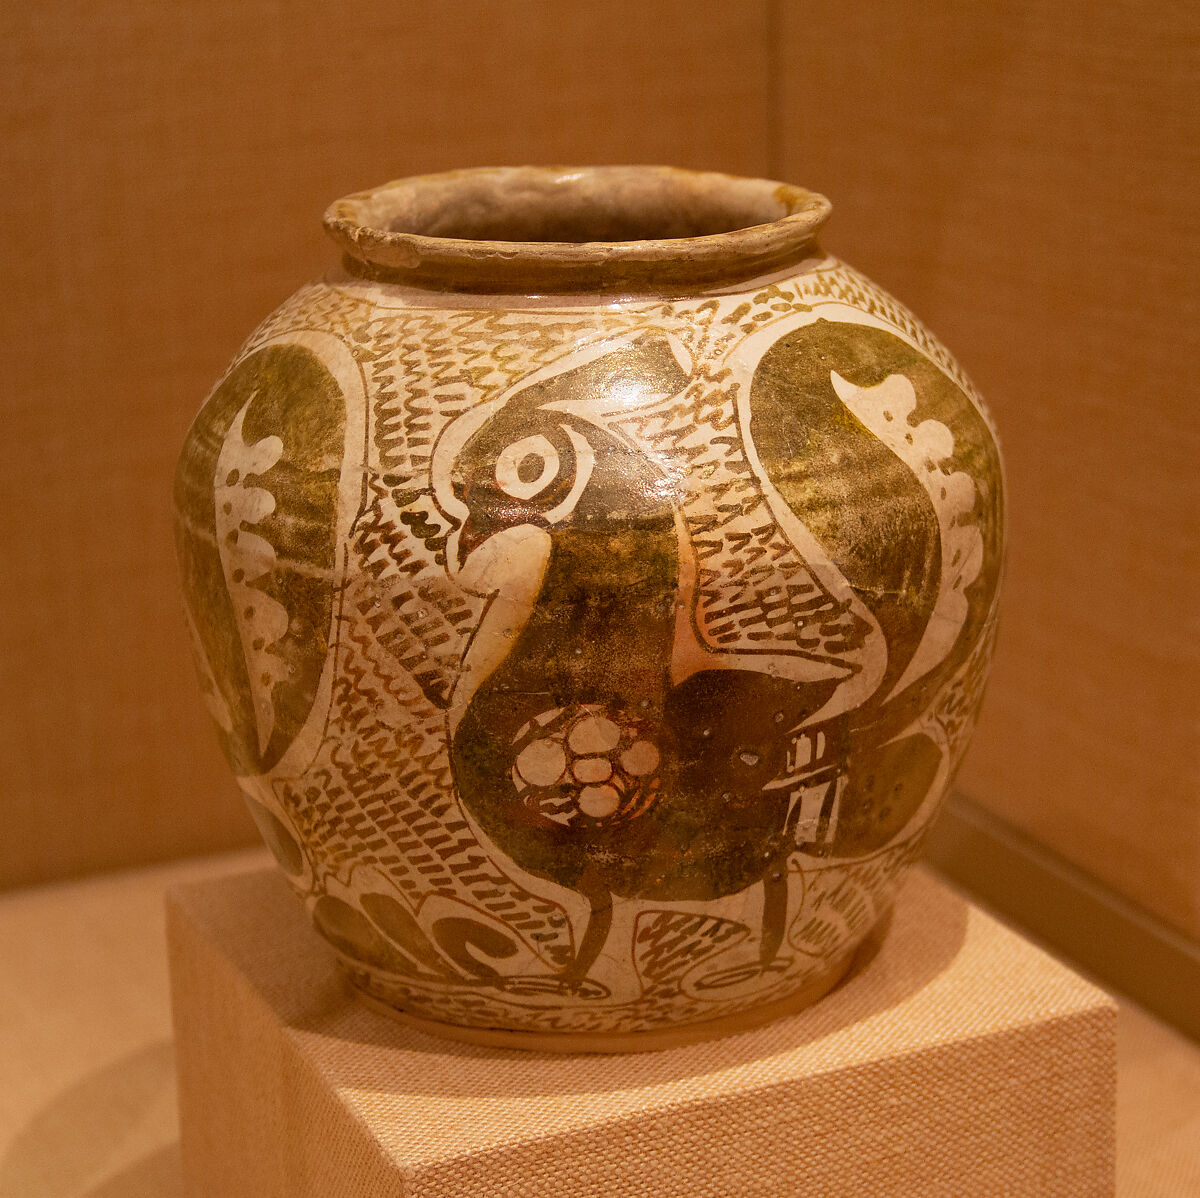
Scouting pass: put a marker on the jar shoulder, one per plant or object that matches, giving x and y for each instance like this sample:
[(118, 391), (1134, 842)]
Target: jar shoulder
[(363, 312)]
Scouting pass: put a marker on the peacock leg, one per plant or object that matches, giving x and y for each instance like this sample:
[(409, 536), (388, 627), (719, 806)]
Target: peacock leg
[(599, 922), (775, 904)]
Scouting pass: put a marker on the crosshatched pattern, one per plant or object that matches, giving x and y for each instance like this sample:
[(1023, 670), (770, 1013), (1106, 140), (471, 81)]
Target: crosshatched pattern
[(593, 666)]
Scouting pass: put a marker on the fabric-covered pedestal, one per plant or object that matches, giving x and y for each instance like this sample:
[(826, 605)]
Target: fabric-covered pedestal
[(956, 1059)]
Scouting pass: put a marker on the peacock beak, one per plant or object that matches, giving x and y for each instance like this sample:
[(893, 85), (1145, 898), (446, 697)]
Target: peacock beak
[(506, 566), (473, 532)]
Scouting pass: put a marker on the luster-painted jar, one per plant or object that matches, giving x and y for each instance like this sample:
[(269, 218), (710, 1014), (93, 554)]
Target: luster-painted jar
[(594, 586)]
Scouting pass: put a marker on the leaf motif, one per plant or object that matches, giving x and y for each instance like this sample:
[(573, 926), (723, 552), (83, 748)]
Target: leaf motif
[(886, 409), (247, 560)]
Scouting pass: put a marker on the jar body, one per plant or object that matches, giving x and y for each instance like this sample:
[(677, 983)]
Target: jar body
[(593, 666)]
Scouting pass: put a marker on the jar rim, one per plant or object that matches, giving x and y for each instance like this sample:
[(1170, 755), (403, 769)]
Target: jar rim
[(550, 229)]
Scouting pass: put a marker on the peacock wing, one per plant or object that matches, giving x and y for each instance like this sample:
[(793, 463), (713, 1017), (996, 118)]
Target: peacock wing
[(885, 461)]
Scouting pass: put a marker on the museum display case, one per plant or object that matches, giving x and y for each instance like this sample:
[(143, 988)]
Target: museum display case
[(1020, 177)]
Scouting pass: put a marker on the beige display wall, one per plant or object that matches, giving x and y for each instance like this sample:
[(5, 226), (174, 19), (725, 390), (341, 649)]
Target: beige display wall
[(1025, 175), (1022, 174), (167, 166)]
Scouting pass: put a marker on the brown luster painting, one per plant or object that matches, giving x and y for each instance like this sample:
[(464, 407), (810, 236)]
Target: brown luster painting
[(591, 662)]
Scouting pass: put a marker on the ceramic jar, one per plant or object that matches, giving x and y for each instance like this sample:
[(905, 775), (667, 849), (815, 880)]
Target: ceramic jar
[(593, 584)]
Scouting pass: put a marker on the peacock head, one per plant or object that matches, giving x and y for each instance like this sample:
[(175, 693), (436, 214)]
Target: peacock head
[(527, 466), (543, 459)]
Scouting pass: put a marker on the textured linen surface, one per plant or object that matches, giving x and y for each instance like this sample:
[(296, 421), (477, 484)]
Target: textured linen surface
[(959, 1059)]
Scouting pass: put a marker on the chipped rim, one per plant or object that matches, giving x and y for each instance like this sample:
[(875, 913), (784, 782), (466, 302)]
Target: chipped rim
[(384, 231)]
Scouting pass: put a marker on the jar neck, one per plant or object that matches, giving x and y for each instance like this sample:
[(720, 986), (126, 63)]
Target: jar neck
[(596, 230)]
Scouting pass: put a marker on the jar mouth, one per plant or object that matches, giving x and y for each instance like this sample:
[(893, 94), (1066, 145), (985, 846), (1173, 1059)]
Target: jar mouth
[(532, 230)]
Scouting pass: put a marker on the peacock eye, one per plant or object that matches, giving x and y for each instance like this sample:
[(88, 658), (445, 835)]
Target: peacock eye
[(527, 467)]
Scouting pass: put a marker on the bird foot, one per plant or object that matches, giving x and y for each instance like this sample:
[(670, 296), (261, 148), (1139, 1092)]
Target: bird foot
[(740, 975), (531, 985)]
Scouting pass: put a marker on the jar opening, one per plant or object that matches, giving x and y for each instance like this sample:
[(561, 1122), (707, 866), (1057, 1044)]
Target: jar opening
[(576, 206), (566, 229)]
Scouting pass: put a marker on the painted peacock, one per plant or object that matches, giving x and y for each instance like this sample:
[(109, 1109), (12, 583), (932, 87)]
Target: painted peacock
[(597, 739)]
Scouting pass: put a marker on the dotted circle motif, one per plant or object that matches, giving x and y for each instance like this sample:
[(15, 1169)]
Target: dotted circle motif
[(586, 764)]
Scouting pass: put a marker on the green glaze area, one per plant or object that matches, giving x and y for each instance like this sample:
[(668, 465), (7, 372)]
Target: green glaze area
[(884, 789), (859, 499), (286, 393), (402, 929), (283, 845), (351, 932)]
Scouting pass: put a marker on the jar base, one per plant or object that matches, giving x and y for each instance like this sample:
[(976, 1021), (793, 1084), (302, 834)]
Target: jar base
[(655, 1040)]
